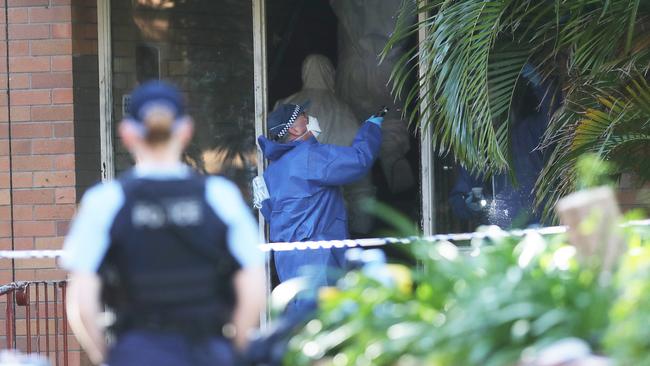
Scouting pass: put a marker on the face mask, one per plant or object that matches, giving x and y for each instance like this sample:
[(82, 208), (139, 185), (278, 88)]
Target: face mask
[(313, 126)]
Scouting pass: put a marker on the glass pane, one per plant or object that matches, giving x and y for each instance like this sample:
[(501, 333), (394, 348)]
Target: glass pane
[(206, 48)]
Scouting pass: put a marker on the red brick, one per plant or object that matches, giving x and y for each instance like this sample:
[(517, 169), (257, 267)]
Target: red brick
[(61, 63), (49, 15), (54, 212), (34, 228), (34, 196), (6, 276), (29, 64), (52, 80), (52, 113), (60, 2), (19, 81), (64, 162), (21, 147), (30, 130), (29, 31), (30, 97), (23, 3), (18, 15), (24, 243), (62, 227), (4, 163), (4, 127), (5, 197), (51, 47), (5, 231), (27, 275), (54, 179), (31, 163), (4, 147), (64, 129), (23, 180), (27, 163), (65, 195), (4, 180), (49, 243), (62, 96), (23, 213), (5, 212), (20, 114), (62, 30), (16, 48), (53, 146), (34, 263)]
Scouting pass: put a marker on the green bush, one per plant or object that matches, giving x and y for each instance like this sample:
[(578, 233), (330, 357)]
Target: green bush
[(484, 306)]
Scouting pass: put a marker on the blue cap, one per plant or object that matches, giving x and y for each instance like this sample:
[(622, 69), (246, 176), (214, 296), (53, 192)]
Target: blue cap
[(155, 92), (282, 118)]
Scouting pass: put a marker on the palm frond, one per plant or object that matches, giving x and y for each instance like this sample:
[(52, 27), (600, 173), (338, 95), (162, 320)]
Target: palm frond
[(470, 62), (614, 124)]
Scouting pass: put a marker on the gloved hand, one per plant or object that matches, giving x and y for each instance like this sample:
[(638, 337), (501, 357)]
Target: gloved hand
[(475, 200), (376, 120)]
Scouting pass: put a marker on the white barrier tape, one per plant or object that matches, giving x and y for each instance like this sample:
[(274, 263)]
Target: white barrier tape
[(371, 242), (491, 232), (349, 243), (27, 254)]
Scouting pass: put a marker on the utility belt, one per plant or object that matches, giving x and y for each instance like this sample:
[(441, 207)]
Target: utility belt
[(204, 327)]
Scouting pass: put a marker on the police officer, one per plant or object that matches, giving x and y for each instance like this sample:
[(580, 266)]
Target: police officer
[(175, 251)]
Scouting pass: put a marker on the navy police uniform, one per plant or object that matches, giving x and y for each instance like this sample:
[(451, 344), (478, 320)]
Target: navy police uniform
[(166, 243)]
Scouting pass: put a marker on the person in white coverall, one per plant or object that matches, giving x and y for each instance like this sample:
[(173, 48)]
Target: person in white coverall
[(364, 27), (338, 127)]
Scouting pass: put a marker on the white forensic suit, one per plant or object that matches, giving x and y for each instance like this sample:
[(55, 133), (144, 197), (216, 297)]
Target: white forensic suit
[(364, 27)]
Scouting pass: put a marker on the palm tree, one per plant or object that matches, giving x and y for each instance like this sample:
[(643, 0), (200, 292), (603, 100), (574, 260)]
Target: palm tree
[(472, 59)]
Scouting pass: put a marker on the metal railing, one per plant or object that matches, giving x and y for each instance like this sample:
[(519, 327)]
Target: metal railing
[(35, 319)]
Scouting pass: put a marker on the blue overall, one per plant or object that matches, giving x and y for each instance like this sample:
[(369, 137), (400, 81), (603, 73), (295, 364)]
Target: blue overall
[(304, 180), (509, 203)]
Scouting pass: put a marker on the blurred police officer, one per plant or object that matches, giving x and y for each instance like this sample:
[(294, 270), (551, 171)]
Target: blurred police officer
[(177, 249)]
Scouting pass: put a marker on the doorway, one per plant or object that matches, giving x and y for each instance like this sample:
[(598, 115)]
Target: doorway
[(298, 28)]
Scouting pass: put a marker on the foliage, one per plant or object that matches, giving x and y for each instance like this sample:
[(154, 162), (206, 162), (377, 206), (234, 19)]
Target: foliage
[(628, 337), (482, 307), (592, 172), (473, 63)]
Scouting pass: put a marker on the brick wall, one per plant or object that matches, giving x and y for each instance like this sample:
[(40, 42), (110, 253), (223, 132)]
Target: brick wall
[(39, 105), (39, 174)]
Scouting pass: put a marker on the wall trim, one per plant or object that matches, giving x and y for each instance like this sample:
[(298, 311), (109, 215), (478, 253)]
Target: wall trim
[(104, 57)]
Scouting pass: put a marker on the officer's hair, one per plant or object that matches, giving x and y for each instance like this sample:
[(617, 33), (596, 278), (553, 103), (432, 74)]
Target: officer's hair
[(158, 122)]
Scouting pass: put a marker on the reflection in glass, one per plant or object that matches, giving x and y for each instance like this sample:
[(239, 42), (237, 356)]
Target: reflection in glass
[(206, 48)]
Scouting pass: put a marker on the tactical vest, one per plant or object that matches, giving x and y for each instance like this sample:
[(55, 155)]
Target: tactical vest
[(168, 267)]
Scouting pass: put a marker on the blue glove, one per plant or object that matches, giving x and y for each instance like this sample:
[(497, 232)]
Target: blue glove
[(475, 201), (376, 120)]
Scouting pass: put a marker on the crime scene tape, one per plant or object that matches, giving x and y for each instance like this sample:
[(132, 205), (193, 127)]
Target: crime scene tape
[(492, 231)]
